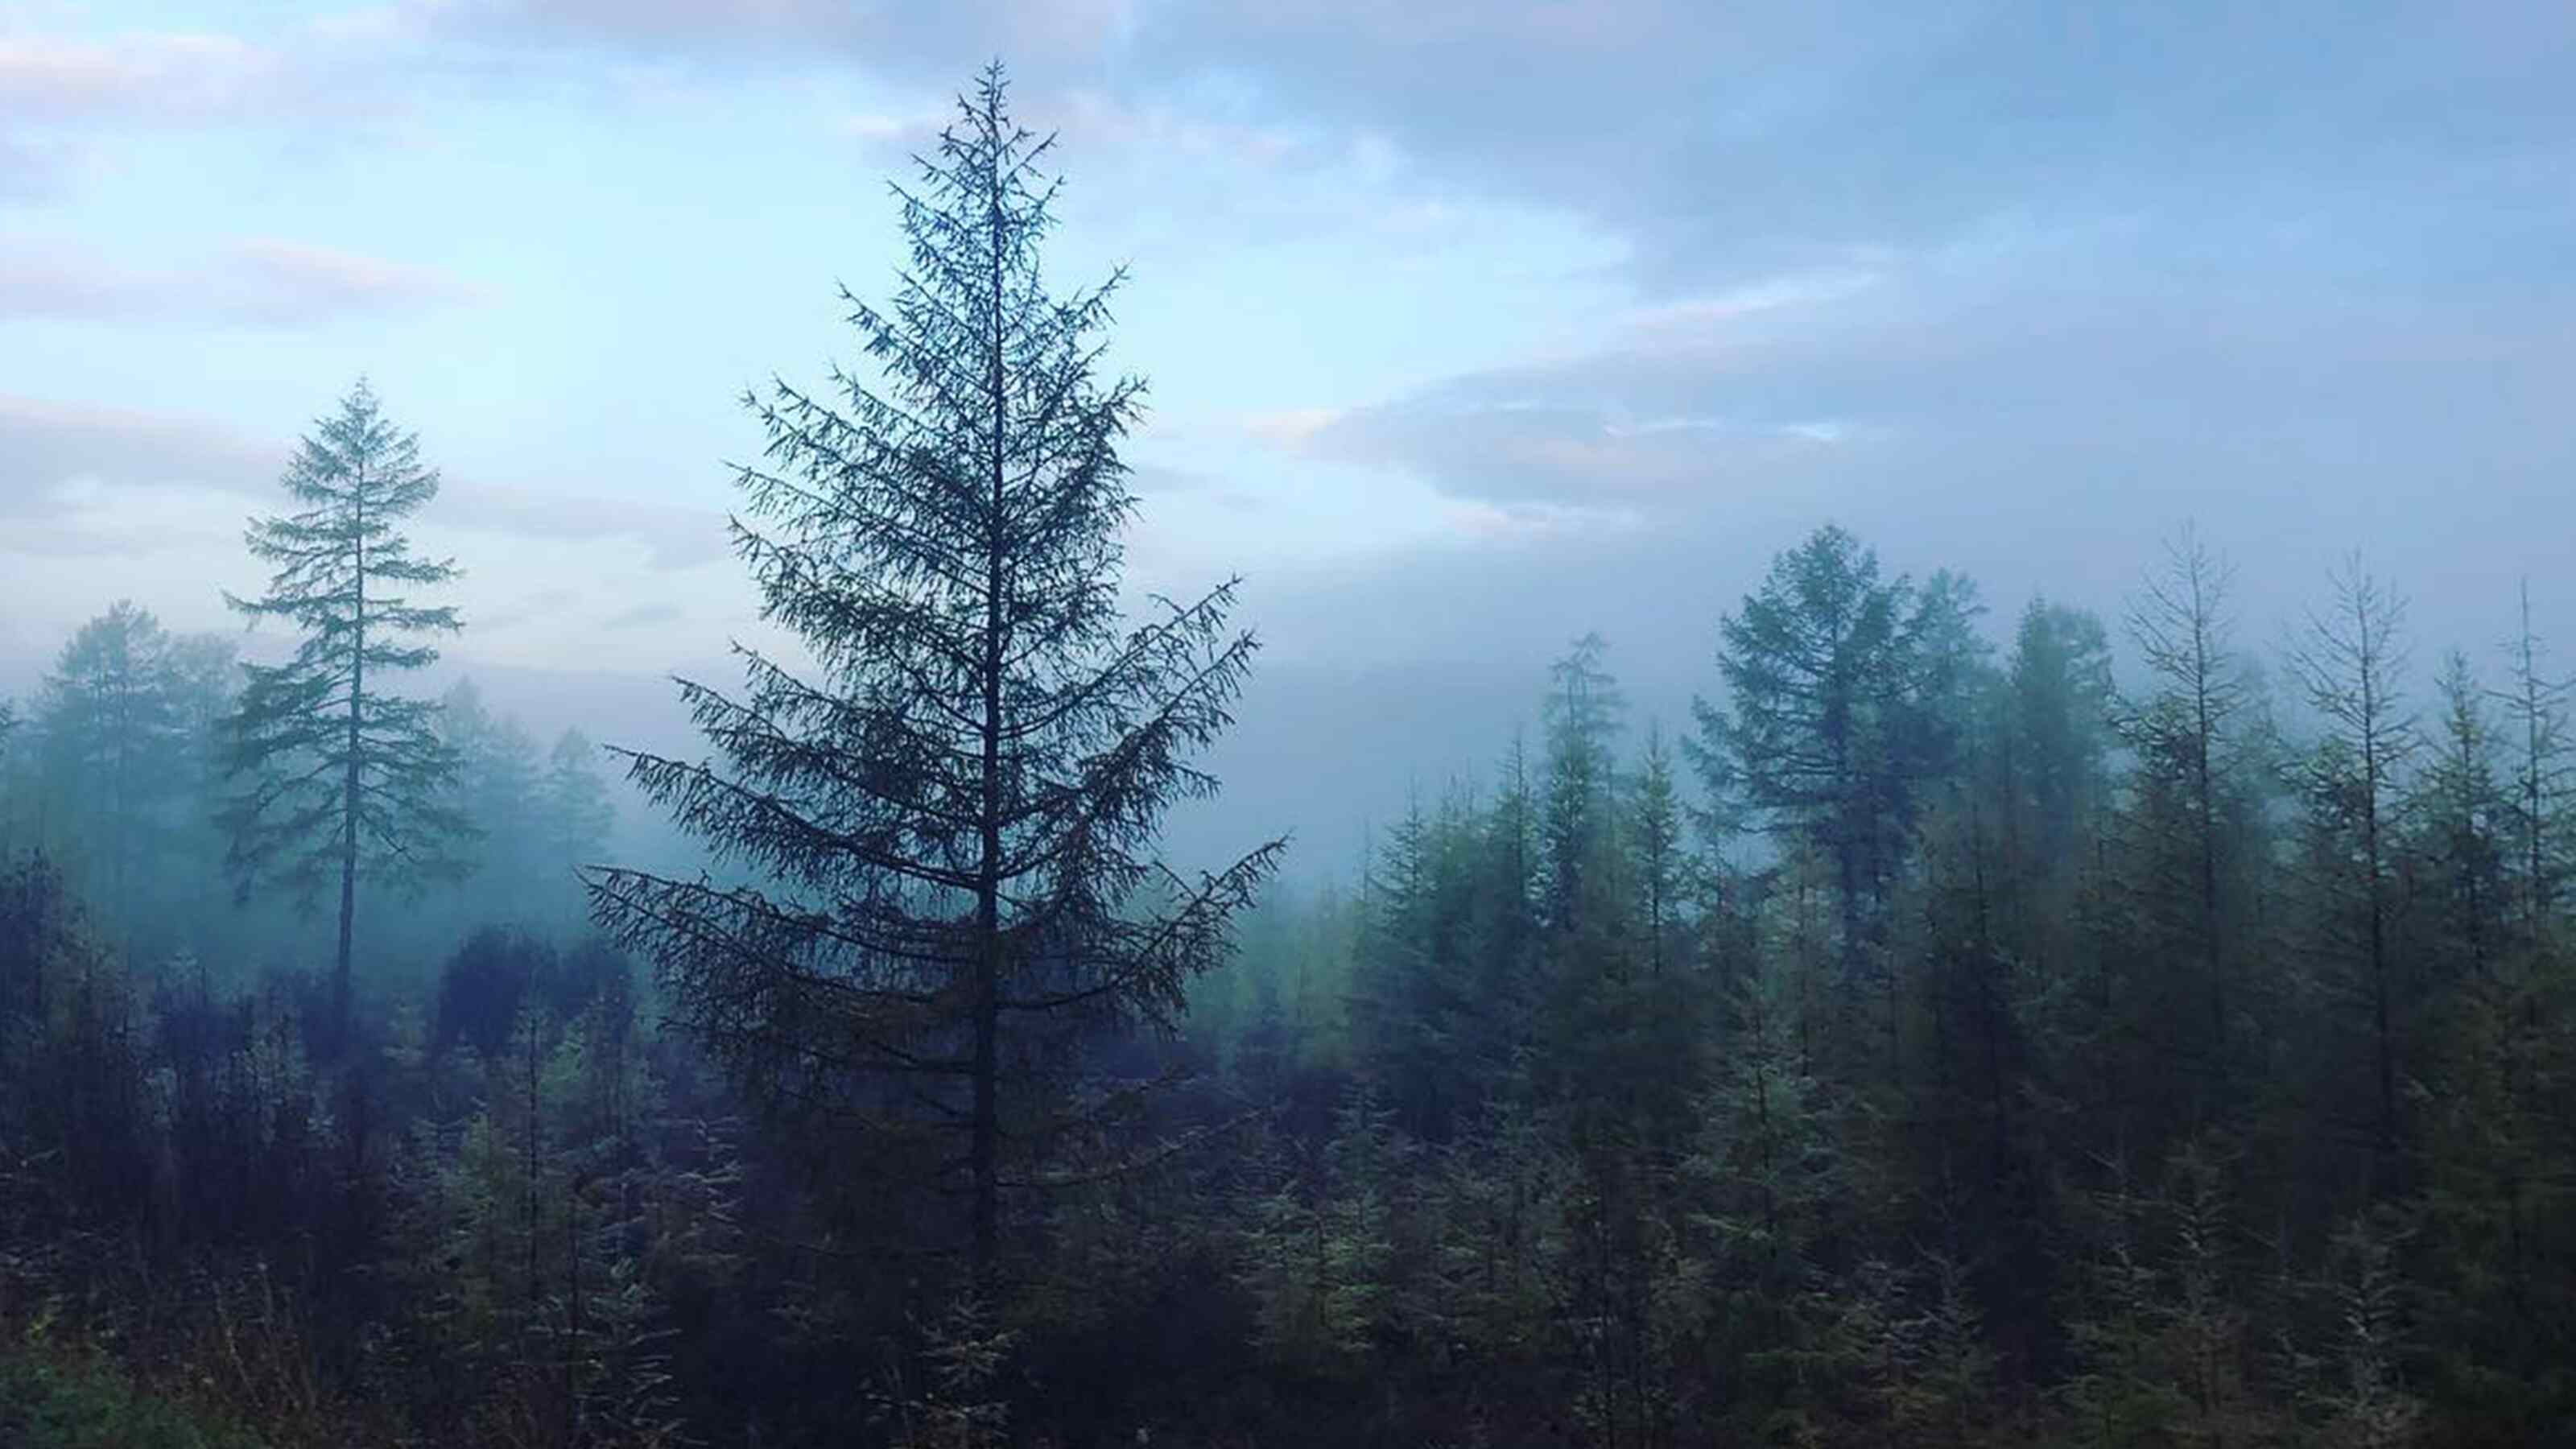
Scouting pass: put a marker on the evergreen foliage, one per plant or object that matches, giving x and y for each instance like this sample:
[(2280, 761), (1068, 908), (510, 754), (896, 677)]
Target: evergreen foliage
[(951, 814), (339, 777)]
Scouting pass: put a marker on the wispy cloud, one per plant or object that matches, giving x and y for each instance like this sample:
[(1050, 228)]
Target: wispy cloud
[(642, 616), (265, 283), (1710, 316), (673, 538), (300, 279), (1289, 427), (163, 76), (941, 37), (45, 446), (30, 171), (1563, 457)]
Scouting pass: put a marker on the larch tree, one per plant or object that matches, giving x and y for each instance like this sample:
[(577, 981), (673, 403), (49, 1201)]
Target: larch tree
[(339, 777), (2461, 846), (2353, 665), (944, 823), (2536, 704), (2187, 732)]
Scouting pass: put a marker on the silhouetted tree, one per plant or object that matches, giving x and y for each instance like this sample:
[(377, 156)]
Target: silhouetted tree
[(2189, 825), (951, 818), (1812, 729), (342, 775), (2353, 667)]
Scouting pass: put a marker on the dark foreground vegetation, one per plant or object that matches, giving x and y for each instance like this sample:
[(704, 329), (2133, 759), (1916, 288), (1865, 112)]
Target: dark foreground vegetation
[(1961, 1031)]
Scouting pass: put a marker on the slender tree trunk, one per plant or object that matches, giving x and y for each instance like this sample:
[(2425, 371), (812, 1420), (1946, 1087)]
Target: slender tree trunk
[(2374, 768), (2378, 945), (118, 840), (2536, 900), (349, 797), (2206, 805), (984, 1148)]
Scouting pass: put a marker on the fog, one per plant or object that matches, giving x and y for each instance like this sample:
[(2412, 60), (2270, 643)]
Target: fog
[(1510, 724)]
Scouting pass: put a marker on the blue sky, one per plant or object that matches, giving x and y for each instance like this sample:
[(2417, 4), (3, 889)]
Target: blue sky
[(1471, 324)]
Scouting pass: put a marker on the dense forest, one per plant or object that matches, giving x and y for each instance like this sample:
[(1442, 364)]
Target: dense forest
[(2057, 1029)]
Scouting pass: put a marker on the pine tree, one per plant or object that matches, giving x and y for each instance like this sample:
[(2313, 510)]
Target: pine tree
[(343, 777), (950, 821), (115, 744)]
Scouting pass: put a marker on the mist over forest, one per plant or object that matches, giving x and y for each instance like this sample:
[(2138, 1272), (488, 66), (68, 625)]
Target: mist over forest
[(1813, 761)]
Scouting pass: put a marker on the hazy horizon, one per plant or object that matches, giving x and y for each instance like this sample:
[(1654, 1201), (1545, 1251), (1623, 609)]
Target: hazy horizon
[(1454, 355)]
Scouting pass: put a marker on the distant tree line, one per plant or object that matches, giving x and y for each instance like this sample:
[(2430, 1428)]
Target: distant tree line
[(1990, 1054)]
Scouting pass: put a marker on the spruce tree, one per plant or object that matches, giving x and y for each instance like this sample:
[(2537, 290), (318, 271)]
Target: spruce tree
[(945, 822), (339, 776)]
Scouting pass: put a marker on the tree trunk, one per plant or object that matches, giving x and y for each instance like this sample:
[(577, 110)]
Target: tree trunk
[(349, 801), (984, 1147)]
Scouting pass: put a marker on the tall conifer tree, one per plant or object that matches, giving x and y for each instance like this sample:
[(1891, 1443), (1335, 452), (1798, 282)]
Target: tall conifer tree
[(2354, 665), (948, 819), (2186, 733), (1823, 717), (340, 776)]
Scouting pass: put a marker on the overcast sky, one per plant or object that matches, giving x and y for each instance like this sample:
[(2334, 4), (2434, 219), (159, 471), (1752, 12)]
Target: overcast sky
[(1470, 324)]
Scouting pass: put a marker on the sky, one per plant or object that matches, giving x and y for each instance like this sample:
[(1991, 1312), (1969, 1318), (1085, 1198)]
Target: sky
[(1470, 325)]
